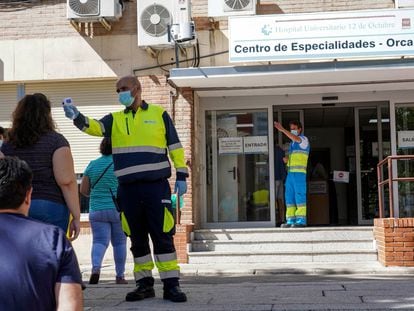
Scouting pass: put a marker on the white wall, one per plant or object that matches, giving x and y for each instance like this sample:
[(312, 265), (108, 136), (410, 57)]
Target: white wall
[(77, 57), (71, 58)]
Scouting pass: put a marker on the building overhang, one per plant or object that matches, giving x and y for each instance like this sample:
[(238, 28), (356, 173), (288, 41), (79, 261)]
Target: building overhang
[(305, 78)]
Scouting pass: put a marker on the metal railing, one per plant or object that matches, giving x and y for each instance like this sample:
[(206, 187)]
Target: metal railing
[(389, 181)]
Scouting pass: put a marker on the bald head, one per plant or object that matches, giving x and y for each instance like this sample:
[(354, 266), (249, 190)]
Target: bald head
[(131, 84), (131, 81)]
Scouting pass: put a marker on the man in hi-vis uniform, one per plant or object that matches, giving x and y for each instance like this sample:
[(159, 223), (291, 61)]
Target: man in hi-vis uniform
[(141, 134), (295, 186)]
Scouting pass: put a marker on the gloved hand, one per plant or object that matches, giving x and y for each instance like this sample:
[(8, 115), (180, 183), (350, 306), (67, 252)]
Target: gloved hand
[(180, 187), (70, 109)]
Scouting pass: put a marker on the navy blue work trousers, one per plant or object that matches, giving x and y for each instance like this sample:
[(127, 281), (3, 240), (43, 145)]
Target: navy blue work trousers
[(143, 204)]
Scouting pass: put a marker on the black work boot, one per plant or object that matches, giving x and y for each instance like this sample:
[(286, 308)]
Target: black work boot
[(174, 294), (141, 292)]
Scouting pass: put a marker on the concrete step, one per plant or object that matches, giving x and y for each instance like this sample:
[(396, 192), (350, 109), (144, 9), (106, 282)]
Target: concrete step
[(282, 257), (290, 245), (264, 246), (288, 234)]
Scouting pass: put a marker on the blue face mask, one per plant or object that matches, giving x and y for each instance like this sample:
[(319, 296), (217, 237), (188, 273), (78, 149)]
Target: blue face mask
[(294, 132), (125, 98)]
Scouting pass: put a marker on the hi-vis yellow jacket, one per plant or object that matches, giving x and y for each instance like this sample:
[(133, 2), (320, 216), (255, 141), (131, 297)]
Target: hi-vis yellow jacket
[(298, 155), (139, 142)]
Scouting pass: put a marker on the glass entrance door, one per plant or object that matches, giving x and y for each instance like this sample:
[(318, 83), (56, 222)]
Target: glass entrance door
[(237, 167), (404, 119), (372, 131)]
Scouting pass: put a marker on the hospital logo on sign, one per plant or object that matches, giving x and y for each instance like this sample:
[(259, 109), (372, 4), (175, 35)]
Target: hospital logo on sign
[(406, 23)]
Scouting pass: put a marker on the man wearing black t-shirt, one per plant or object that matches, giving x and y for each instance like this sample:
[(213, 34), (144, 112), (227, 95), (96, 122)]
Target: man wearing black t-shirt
[(38, 267)]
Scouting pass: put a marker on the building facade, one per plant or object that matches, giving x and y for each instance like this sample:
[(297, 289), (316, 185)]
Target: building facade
[(354, 111)]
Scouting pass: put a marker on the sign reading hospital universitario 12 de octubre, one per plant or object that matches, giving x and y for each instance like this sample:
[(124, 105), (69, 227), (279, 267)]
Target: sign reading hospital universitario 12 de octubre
[(321, 36)]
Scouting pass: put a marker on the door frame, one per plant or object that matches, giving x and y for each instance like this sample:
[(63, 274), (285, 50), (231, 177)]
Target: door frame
[(204, 211), (291, 101), (394, 104), (378, 107)]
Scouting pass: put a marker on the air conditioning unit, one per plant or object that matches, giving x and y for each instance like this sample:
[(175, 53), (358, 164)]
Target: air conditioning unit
[(231, 7), (154, 18), (160, 22), (92, 10)]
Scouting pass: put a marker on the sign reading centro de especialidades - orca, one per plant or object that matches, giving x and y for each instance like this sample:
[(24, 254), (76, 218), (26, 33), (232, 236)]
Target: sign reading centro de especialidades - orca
[(359, 34)]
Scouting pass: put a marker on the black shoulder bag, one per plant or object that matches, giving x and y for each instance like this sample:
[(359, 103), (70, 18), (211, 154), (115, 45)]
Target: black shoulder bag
[(99, 178), (110, 190)]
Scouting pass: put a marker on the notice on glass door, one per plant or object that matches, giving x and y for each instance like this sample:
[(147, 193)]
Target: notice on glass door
[(406, 139), (230, 145), (255, 144), (341, 176)]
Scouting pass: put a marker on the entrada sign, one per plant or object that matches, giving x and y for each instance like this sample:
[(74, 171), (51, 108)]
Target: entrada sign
[(321, 36)]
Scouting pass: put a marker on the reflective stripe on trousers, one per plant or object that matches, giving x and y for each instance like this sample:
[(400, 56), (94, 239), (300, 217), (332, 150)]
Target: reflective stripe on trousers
[(167, 265), (143, 267)]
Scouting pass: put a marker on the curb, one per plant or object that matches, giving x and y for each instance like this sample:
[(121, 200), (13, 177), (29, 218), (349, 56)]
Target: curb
[(189, 270)]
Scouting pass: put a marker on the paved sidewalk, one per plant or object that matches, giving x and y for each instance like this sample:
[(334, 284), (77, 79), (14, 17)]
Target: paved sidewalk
[(267, 293), (259, 287)]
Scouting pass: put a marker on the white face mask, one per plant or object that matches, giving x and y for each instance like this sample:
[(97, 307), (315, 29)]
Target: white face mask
[(294, 132), (1, 142)]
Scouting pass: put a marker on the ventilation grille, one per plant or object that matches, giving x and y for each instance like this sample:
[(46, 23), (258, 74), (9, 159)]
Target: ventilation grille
[(237, 5), (155, 20), (85, 8)]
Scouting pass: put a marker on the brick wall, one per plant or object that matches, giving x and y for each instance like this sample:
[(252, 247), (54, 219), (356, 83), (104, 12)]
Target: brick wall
[(183, 117), (289, 6), (47, 18), (200, 7), (85, 228), (182, 239), (395, 241), (34, 20)]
